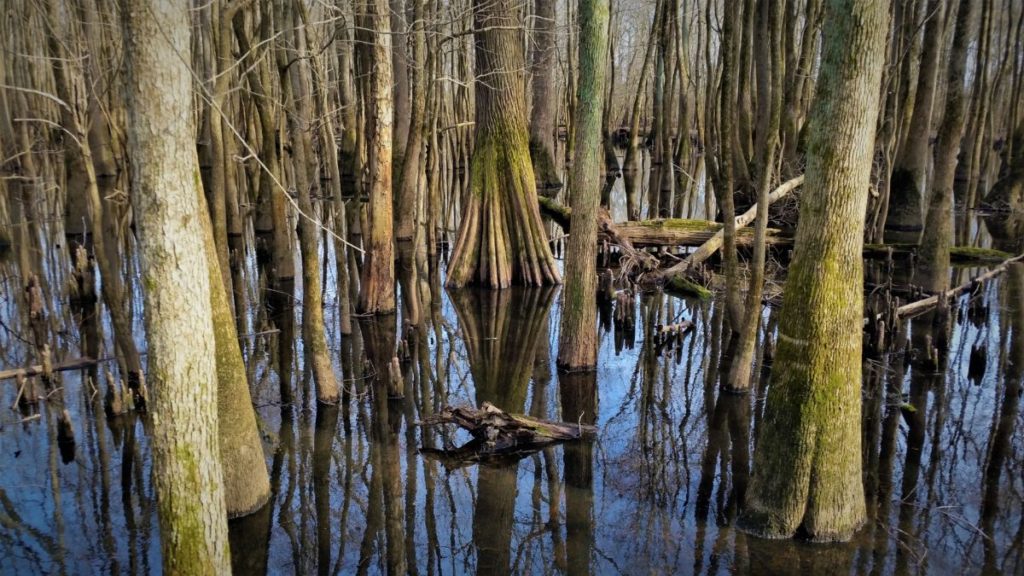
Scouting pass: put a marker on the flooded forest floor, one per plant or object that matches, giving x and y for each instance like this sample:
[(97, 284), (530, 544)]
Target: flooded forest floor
[(655, 492)]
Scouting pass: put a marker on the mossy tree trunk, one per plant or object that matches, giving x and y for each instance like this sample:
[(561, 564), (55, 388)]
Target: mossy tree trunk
[(502, 240), (910, 178), (377, 294), (577, 343), (176, 284), (246, 484), (807, 464), (937, 237)]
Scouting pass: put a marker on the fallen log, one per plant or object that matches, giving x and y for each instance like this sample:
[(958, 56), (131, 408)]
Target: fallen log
[(38, 369), (711, 245), (921, 306), (498, 434)]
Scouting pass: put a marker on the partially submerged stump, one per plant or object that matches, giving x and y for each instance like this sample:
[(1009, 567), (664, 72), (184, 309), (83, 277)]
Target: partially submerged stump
[(499, 436)]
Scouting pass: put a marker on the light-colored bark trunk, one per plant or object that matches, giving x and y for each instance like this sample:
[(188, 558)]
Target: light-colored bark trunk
[(187, 470)]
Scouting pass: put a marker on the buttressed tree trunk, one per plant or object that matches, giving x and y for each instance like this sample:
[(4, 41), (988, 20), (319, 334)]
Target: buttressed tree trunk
[(807, 464), (176, 285), (577, 343), (501, 237), (377, 295), (545, 96)]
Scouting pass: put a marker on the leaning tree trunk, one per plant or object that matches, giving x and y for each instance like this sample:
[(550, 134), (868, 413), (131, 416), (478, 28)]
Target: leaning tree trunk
[(378, 274), (807, 464), (938, 223), (577, 344), (501, 239), (176, 281)]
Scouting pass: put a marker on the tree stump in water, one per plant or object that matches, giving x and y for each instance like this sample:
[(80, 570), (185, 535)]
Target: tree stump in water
[(500, 437)]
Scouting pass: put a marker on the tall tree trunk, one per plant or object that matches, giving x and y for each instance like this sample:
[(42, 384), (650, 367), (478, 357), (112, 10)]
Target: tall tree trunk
[(377, 295), (725, 182), (577, 345), (910, 178), (246, 484), (544, 63), (409, 191), (501, 239), (739, 373), (807, 463), (938, 229), (176, 284)]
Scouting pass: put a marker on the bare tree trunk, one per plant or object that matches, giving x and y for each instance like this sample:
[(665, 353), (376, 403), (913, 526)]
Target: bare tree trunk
[(176, 280), (577, 347), (377, 295), (409, 191), (807, 462), (739, 374), (910, 178), (501, 240), (545, 97), (938, 229)]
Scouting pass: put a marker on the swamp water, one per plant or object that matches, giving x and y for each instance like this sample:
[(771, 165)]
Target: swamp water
[(656, 493)]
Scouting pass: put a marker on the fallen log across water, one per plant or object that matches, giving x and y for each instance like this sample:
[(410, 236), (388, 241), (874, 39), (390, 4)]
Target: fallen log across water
[(921, 306), (499, 436)]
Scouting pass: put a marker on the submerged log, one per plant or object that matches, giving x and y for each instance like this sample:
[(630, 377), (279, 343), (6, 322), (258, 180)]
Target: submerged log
[(499, 435)]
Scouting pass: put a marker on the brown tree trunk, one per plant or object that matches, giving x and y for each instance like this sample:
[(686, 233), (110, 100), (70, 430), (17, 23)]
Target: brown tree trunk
[(377, 295), (501, 240), (910, 178), (938, 230), (544, 63)]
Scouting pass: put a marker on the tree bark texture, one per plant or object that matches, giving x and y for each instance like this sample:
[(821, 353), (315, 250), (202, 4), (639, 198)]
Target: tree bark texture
[(577, 342), (187, 471), (378, 274), (502, 240), (807, 464)]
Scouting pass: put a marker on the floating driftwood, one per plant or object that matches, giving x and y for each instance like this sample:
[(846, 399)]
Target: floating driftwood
[(499, 436)]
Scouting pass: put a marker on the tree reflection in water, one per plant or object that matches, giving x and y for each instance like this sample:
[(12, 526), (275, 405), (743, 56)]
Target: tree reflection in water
[(657, 492)]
